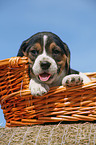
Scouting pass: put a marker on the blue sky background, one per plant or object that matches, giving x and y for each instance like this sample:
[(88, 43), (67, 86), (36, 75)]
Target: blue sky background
[(74, 21)]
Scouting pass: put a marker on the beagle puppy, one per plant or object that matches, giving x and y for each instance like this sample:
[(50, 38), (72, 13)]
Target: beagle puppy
[(49, 63)]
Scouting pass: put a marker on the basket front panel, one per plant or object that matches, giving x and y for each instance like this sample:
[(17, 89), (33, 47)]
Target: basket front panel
[(58, 105)]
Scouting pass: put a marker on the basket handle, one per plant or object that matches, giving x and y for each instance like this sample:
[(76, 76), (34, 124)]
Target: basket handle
[(17, 61)]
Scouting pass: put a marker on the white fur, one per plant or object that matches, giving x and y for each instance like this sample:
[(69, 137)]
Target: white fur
[(38, 89), (85, 78), (75, 79), (37, 68), (44, 43), (72, 80)]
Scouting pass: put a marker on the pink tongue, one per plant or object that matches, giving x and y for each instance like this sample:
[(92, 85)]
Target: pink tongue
[(44, 76)]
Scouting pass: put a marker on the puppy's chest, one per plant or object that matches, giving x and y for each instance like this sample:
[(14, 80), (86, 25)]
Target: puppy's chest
[(57, 82)]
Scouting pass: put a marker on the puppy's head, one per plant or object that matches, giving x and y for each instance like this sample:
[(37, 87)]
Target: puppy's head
[(48, 55)]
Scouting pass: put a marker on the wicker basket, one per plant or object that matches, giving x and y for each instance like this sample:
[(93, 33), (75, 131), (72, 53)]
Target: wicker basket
[(20, 108)]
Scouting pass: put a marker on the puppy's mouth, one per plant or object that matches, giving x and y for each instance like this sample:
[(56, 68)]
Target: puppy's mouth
[(44, 76)]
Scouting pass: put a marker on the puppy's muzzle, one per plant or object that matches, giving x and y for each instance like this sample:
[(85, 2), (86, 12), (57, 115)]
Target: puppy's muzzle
[(45, 65)]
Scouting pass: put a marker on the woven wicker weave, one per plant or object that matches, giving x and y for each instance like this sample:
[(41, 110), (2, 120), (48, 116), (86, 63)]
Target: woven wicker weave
[(20, 108)]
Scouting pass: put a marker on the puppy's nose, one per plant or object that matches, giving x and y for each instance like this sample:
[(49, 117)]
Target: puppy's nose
[(45, 65)]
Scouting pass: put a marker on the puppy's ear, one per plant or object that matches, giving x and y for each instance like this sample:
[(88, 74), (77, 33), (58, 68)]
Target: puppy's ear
[(22, 50), (67, 57)]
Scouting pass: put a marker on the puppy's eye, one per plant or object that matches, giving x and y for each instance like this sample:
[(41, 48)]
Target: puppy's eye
[(34, 52), (55, 51)]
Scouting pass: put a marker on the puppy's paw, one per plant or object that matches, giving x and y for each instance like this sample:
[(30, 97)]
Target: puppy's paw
[(38, 89), (72, 80)]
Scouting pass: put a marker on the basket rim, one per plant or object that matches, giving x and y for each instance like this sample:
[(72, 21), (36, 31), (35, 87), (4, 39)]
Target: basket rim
[(53, 90), (16, 60)]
